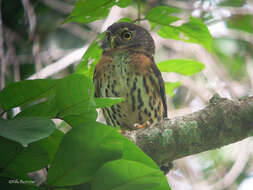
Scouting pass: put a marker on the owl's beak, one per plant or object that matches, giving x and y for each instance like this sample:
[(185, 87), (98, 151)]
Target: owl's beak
[(113, 41)]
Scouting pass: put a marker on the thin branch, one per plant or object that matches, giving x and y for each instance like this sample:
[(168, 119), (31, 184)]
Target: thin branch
[(58, 6), (2, 53), (30, 16), (60, 64), (139, 10), (222, 122)]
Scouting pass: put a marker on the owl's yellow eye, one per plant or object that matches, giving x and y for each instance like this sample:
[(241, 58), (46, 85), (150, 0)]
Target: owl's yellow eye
[(127, 35)]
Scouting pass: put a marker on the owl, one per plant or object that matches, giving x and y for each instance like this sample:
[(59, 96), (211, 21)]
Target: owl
[(127, 69)]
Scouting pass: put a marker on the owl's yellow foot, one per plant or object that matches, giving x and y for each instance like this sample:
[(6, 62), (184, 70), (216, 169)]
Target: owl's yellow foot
[(122, 131), (142, 125)]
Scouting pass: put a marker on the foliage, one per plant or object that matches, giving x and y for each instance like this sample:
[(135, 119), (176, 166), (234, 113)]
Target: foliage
[(90, 153)]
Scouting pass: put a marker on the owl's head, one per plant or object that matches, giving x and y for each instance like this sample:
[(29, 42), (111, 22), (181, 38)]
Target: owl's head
[(127, 35)]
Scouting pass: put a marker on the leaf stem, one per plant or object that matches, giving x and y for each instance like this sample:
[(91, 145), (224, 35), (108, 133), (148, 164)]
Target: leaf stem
[(139, 11)]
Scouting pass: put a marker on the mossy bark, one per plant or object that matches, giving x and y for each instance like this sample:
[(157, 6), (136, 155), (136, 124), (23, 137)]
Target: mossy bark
[(222, 122)]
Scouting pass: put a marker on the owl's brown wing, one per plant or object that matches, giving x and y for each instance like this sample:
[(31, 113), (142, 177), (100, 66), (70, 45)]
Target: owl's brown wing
[(161, 86), (144, 63), (99, 75)]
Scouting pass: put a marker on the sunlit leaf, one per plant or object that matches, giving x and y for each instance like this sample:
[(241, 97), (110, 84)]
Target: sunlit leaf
[(88, 11), (123, 3), (125, 19), (90, 58), (170, 87), (194, 31), (161, 15), (232, 3), (181, 66)]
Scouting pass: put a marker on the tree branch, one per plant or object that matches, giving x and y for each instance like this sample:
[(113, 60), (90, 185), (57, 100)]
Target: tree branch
[(222, 122)]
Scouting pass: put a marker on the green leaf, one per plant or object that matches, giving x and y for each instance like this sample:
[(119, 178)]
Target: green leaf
[(88, 11), (241, 22), (90, 58), (26, 91), (161, 15), (74, 100), (73, 90), (44, 109), (125, 19), (82, 113), (106, 102), (124, 175), (132, 152), (26, 130), (194, 31), (51, 143), (123, 3), (82, 151), (181, 66), (17, 161), (232, 3), (170, 87)]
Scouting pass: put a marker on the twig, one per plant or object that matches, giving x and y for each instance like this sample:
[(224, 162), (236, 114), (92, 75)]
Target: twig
[(60, 64), (139, 10), (2, 53), (31, 17), (236, 170), (36, 52), (59, 6)]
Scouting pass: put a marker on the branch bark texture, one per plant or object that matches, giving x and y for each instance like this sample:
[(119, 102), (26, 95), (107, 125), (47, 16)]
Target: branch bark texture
[(222, 122)]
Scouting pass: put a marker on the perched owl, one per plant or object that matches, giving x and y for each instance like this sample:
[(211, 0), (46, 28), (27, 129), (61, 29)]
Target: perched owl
[(127, 70)]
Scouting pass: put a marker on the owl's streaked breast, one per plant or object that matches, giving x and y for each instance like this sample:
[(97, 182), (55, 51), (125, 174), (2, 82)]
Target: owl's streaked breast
[(121, 78)]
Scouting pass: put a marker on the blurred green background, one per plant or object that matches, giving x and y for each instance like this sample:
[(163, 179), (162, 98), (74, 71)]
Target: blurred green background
[(35, 44)]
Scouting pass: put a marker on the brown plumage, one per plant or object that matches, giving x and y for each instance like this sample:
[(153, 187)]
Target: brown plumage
[(127, 69)]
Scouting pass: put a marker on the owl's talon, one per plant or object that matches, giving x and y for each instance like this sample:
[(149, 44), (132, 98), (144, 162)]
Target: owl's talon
[(143, 125), (122, 131)]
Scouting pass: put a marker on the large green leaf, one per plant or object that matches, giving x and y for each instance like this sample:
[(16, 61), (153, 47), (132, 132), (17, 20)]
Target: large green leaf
[(88, 11), (83, 150), (74, 100), (73, 90), (161, 15), (125, 174), (51, 143), (44, 109), (181, 66), (26, 130), (134, 153), (170, 87), (26, 91), (17, 160), (194, 31)]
